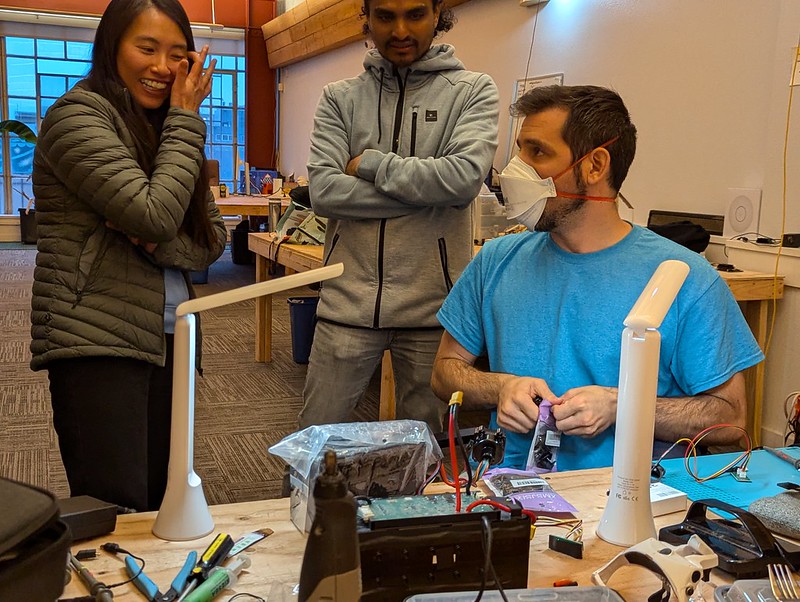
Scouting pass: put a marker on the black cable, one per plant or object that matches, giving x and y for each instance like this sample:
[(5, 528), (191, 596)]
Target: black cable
[(113, 548), (454, 409), (488, 564), (486, 530), (253, 596)]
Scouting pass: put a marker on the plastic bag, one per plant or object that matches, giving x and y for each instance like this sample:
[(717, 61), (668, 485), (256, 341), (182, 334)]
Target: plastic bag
[(377, 459), (527, 488), (355, 441), (311, 231), (546, 441), (291, 218)]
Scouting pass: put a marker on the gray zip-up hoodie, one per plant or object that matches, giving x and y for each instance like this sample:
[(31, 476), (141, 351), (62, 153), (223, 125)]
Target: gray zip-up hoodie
[(427, 136)]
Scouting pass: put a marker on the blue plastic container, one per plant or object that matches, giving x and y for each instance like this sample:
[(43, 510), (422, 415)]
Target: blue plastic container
[(303, 318)]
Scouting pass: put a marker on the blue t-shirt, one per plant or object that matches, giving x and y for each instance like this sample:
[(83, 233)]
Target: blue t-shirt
[(537, 310)]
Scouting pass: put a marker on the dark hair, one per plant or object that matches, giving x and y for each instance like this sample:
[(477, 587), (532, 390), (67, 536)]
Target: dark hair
[(595, 116), (145, 125), (445, 23)]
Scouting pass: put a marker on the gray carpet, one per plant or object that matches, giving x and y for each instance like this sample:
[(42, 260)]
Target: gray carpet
[(241, 407)]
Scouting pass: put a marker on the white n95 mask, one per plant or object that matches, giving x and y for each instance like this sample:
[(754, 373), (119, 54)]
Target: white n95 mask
[(525, 192)]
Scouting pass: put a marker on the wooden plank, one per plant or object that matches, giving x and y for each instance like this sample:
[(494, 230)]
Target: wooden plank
[(280, 40), (754, 286)]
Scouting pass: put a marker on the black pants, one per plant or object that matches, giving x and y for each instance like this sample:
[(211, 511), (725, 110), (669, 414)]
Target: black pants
[(112, 416)]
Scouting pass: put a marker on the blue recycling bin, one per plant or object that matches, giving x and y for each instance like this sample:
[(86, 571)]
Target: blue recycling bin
[(302, 318)]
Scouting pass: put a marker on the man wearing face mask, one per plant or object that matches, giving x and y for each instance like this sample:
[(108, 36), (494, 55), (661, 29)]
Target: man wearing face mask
[(547, 306), (397, 156)]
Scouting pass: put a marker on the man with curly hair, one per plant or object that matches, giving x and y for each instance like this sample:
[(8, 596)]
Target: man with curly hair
[(397, 156)]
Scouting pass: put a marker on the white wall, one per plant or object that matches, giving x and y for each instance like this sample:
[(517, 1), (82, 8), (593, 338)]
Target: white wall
[(706, 82)]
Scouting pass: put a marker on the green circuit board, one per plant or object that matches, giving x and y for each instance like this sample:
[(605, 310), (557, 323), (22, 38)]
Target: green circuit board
[(391, 511)]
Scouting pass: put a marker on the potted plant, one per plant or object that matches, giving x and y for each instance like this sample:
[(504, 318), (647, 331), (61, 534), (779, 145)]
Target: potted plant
[(27, 215)]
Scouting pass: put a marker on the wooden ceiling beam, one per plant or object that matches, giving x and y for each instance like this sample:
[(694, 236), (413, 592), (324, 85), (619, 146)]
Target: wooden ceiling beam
[(314, 27)]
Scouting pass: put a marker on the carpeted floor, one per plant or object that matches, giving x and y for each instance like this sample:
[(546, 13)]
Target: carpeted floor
[(241, 407)]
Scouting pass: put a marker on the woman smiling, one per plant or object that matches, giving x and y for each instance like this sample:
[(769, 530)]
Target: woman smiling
[(124, 213)]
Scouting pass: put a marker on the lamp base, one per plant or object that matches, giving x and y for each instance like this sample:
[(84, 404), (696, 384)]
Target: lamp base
[(184, 512)]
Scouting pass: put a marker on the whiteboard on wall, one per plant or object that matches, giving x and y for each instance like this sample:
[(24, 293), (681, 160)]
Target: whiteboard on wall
[(521, 86)]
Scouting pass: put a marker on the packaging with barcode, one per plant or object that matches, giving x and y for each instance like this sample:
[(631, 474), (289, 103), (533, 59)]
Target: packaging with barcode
[(546, 441), (527, 488)]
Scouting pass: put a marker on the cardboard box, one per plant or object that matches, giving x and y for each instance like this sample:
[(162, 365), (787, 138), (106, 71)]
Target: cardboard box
[(666, 500)]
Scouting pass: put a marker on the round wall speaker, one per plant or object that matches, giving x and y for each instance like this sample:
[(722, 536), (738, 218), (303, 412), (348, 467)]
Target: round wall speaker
[(743, 211), (740, 214)]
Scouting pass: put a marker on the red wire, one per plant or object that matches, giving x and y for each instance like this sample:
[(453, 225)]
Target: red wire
[(499, 506), (491, 503), (453, 458), (447, 481)]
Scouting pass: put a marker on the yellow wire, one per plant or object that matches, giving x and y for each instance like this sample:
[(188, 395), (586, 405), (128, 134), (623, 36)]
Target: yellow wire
[(575, 525), (783, 202), (744, 457)]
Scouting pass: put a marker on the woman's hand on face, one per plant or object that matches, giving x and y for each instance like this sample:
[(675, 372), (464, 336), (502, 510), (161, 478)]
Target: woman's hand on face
[(191, 87)]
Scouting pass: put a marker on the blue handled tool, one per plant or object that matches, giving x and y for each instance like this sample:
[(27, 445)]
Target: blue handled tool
[(150, 589)]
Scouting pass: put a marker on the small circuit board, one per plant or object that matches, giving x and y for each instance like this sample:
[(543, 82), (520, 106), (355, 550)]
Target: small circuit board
[(420, 509)]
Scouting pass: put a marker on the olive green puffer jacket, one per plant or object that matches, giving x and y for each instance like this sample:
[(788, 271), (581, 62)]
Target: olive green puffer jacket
[(95, 293)]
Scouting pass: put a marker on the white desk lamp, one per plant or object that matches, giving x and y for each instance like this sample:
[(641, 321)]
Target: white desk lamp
[(184, 512), (628, 517)]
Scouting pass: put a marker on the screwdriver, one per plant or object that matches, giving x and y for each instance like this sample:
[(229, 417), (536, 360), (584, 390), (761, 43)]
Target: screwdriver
[(215, 553)]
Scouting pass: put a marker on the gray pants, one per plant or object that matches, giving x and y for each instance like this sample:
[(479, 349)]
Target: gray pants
[(344, 359)]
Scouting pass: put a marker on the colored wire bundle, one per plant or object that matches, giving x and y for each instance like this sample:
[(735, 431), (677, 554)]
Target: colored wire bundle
[(791, 409), (455, 401), (738, 464), (453, 433), (574, 526), (430, 478)]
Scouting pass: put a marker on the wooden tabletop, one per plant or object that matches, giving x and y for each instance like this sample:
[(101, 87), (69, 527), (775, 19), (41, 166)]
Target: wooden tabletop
[(279, 556), (745, 285), (241, 204)]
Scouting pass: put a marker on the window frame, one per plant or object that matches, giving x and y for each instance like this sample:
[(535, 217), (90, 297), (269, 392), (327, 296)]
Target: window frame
[(231, 44)]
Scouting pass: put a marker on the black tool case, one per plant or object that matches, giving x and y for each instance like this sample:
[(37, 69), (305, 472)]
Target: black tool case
[(34, 544)]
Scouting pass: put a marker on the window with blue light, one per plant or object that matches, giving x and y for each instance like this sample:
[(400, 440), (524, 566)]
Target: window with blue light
[(39, 71)]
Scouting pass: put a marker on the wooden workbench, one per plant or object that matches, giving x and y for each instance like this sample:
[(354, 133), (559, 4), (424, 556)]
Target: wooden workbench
[(755, 290), (279, 556), (245, 205)]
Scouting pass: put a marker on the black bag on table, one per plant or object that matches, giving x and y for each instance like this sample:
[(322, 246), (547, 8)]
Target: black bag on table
[(34, 544)]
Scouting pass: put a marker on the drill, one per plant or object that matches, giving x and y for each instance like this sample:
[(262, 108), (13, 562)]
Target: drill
[(331, 568)]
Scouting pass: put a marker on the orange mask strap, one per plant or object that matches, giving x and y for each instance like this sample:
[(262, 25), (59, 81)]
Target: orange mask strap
[(567, 195)]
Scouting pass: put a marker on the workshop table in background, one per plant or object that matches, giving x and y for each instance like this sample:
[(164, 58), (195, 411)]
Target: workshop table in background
[(279, 556), (755, 290), (247, 205), (299, 258)]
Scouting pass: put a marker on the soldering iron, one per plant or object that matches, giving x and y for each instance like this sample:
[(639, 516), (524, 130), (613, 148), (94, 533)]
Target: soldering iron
[(331, 567)]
